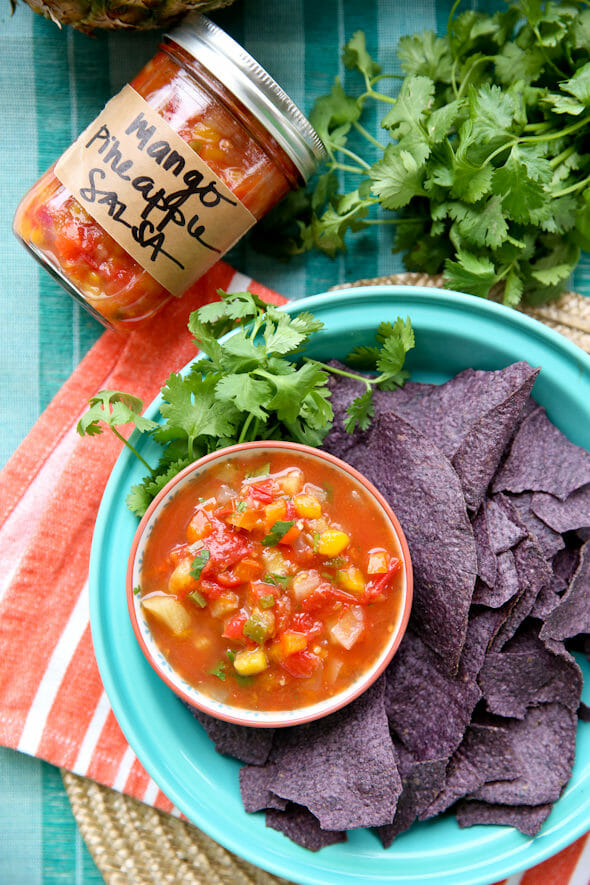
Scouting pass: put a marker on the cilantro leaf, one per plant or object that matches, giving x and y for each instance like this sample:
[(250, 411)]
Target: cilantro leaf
[(199, 563), (356, 56), (113, 408), (360, 412), (278, 531)]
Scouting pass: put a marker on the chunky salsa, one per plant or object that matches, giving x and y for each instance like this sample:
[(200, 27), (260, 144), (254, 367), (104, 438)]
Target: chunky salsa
[(269, 585), (92, 265)]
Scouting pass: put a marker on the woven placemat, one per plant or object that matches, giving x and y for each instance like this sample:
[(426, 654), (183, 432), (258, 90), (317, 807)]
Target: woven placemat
[(135, 844)]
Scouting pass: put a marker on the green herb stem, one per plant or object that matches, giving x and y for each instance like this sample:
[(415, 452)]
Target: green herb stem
[(368, 136), (132, 448)]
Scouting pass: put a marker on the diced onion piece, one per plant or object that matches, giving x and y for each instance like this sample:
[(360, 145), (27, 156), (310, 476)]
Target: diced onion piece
[(275, 562), (224, 605), (332, 542), (348, 628), (305, 583), (225, 493), (291, 482), (168, 610), (248, 662), (181, 580)]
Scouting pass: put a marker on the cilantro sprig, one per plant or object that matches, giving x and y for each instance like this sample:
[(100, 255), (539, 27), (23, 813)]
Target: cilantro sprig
[(254, 384), (482, 168)]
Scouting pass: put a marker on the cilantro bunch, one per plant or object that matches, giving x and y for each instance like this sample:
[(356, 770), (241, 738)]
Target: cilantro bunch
[(484, 171), (252, 385)]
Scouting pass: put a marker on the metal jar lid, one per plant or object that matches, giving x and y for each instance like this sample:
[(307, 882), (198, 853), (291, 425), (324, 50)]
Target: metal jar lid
[(254, 87)]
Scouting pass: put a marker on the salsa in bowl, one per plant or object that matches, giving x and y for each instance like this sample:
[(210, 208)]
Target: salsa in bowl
[(269, 584)]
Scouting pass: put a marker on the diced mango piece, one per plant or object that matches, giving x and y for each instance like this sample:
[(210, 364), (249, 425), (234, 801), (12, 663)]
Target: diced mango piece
[(198, 528), (181, 580), (292, 642), (378, 562), (307, 506), (274, 512), (168, 610), (244, 519), (332, 542), (248, 662), (351, 579)]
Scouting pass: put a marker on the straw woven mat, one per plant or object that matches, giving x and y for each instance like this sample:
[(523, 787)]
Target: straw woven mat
[(134, 844)]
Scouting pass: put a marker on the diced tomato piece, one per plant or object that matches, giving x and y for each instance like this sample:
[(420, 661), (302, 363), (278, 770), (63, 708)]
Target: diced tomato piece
[(290, 510), (283, 609), (301, 664), (260, 590), (234, 627), (304, 623), (377, 586), (326, 594), (265, 491), (228, 579)]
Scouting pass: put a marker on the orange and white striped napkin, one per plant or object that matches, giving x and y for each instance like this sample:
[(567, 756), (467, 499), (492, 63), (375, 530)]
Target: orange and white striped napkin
[(52, 703)]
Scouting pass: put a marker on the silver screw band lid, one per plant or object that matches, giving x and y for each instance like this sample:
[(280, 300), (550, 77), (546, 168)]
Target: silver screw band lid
[(254, 87)]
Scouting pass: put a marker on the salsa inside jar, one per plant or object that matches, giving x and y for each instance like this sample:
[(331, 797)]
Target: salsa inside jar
[(271, 584), (93, 266)]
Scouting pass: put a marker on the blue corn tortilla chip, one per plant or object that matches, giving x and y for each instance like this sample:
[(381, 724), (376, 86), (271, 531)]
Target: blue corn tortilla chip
[(526, 673), (250, 745), (421, 781), (527, 818), (472, 418), (564, 516), (486, 558), (572, 614), (533, 574), (543, 743), (415, 685), (483, 755), (505, 529), (255, 791), (299, 825), (342, 768), (549, 541), (425, 493), (506, 586), (542, 459)]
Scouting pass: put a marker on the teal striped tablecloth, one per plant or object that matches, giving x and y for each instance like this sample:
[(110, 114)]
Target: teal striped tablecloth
[(52, 84)]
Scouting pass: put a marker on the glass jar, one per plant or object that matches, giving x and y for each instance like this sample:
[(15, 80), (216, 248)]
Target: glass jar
[(253, 141)]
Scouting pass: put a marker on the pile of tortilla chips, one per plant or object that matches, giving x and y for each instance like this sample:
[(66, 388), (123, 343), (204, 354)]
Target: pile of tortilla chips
[(477, 713)]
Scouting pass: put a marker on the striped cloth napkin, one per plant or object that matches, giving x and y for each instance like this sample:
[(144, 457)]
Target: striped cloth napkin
[(52, 703)]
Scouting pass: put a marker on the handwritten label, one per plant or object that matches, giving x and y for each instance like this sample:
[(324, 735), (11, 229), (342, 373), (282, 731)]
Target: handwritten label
[(152, 193)]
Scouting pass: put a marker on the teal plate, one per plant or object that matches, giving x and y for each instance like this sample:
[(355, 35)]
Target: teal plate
[(452, 332)]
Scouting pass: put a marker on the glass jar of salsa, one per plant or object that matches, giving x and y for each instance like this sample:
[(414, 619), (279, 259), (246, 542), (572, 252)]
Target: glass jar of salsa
[(250, 144)]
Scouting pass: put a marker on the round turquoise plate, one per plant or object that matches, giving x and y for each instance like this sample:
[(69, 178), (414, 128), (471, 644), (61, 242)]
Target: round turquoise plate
[(452, 332)]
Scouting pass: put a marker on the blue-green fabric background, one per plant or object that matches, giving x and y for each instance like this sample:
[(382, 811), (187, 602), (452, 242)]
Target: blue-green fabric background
[(52, 84)]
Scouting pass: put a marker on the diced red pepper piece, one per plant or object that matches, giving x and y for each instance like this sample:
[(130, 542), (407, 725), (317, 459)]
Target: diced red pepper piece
[(378, 585), (234, 627)]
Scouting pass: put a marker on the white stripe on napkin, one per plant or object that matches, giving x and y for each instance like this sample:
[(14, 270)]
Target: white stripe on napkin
[(52, 678)]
